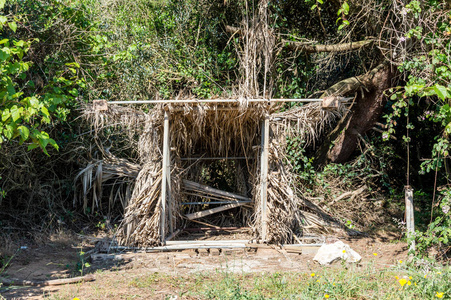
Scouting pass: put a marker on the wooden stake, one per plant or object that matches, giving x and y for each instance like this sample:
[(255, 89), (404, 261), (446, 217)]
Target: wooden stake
[(410, 216), (264, 175), (19, 282), (164, 176)]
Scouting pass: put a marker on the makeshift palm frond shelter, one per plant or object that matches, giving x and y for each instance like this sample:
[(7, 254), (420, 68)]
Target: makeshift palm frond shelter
[(179, 141), (201, 158)]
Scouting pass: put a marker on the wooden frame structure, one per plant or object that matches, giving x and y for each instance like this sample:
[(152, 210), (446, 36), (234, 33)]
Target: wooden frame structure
[(166, 199)]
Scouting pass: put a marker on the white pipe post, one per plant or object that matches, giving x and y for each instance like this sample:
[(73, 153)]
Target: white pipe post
[(164, 176), (264, 176), (410, 217)]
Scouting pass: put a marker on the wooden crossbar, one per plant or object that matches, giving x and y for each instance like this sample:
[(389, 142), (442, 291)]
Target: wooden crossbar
[(196, 101), (208, 212)]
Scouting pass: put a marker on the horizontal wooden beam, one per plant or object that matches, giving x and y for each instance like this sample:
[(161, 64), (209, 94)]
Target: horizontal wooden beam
[(216, 158), (200, 229), (197, 187), (208, 242), (204, 213), (214, 203)]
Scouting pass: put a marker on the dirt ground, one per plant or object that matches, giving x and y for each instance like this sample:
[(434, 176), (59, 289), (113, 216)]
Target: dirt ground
[(62, 260)]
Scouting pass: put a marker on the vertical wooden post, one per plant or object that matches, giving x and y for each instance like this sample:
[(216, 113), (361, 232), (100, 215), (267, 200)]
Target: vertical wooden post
[(264, 175), (164, 176), (169, 190), (410, 216)]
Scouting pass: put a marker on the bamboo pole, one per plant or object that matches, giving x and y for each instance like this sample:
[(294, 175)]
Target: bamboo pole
[(264, 174), (410, 217), (164, 176)]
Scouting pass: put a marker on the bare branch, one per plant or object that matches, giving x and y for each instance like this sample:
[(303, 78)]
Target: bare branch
[(326, 48)]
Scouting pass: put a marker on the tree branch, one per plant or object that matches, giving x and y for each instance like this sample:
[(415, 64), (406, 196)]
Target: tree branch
[(233, 30), (326, 48), (307, 48), (351, 84)]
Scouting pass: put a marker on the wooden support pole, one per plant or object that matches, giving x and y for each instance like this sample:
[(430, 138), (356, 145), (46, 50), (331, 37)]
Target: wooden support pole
[(264, 175), (164, 176), (169, 191), (410, 217)]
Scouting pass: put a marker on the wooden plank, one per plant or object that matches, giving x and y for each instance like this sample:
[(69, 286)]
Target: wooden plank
[(200, 229), (191, 185), (410, 216), (207, 196), (264, 176), (207, 242), (181, 247), (208, 212), (20, 282), (216, 158), (164, 176), (213, 203)]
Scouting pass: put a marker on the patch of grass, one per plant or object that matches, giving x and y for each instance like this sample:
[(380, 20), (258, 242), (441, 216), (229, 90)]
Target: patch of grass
[(402, 281)]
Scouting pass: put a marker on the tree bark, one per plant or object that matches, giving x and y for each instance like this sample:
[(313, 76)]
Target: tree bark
[(366, 111)]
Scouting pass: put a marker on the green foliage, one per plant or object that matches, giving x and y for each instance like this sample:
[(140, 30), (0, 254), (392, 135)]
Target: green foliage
[(435, 84), (300, 163), (20, 116), (26, 112), (343, 12), (361, 168), (82, 265), (343, 283), (163, 49), (438, 233)]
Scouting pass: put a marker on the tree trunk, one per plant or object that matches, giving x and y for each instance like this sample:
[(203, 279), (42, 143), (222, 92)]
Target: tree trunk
[(366, 111)]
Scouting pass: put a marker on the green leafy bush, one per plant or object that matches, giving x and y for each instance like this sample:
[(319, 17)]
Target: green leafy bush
[(438, 233)]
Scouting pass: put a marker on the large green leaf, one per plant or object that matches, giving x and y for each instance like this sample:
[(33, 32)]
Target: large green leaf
[(15, 113), (13, 26), (24, 132), (441, 91)]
